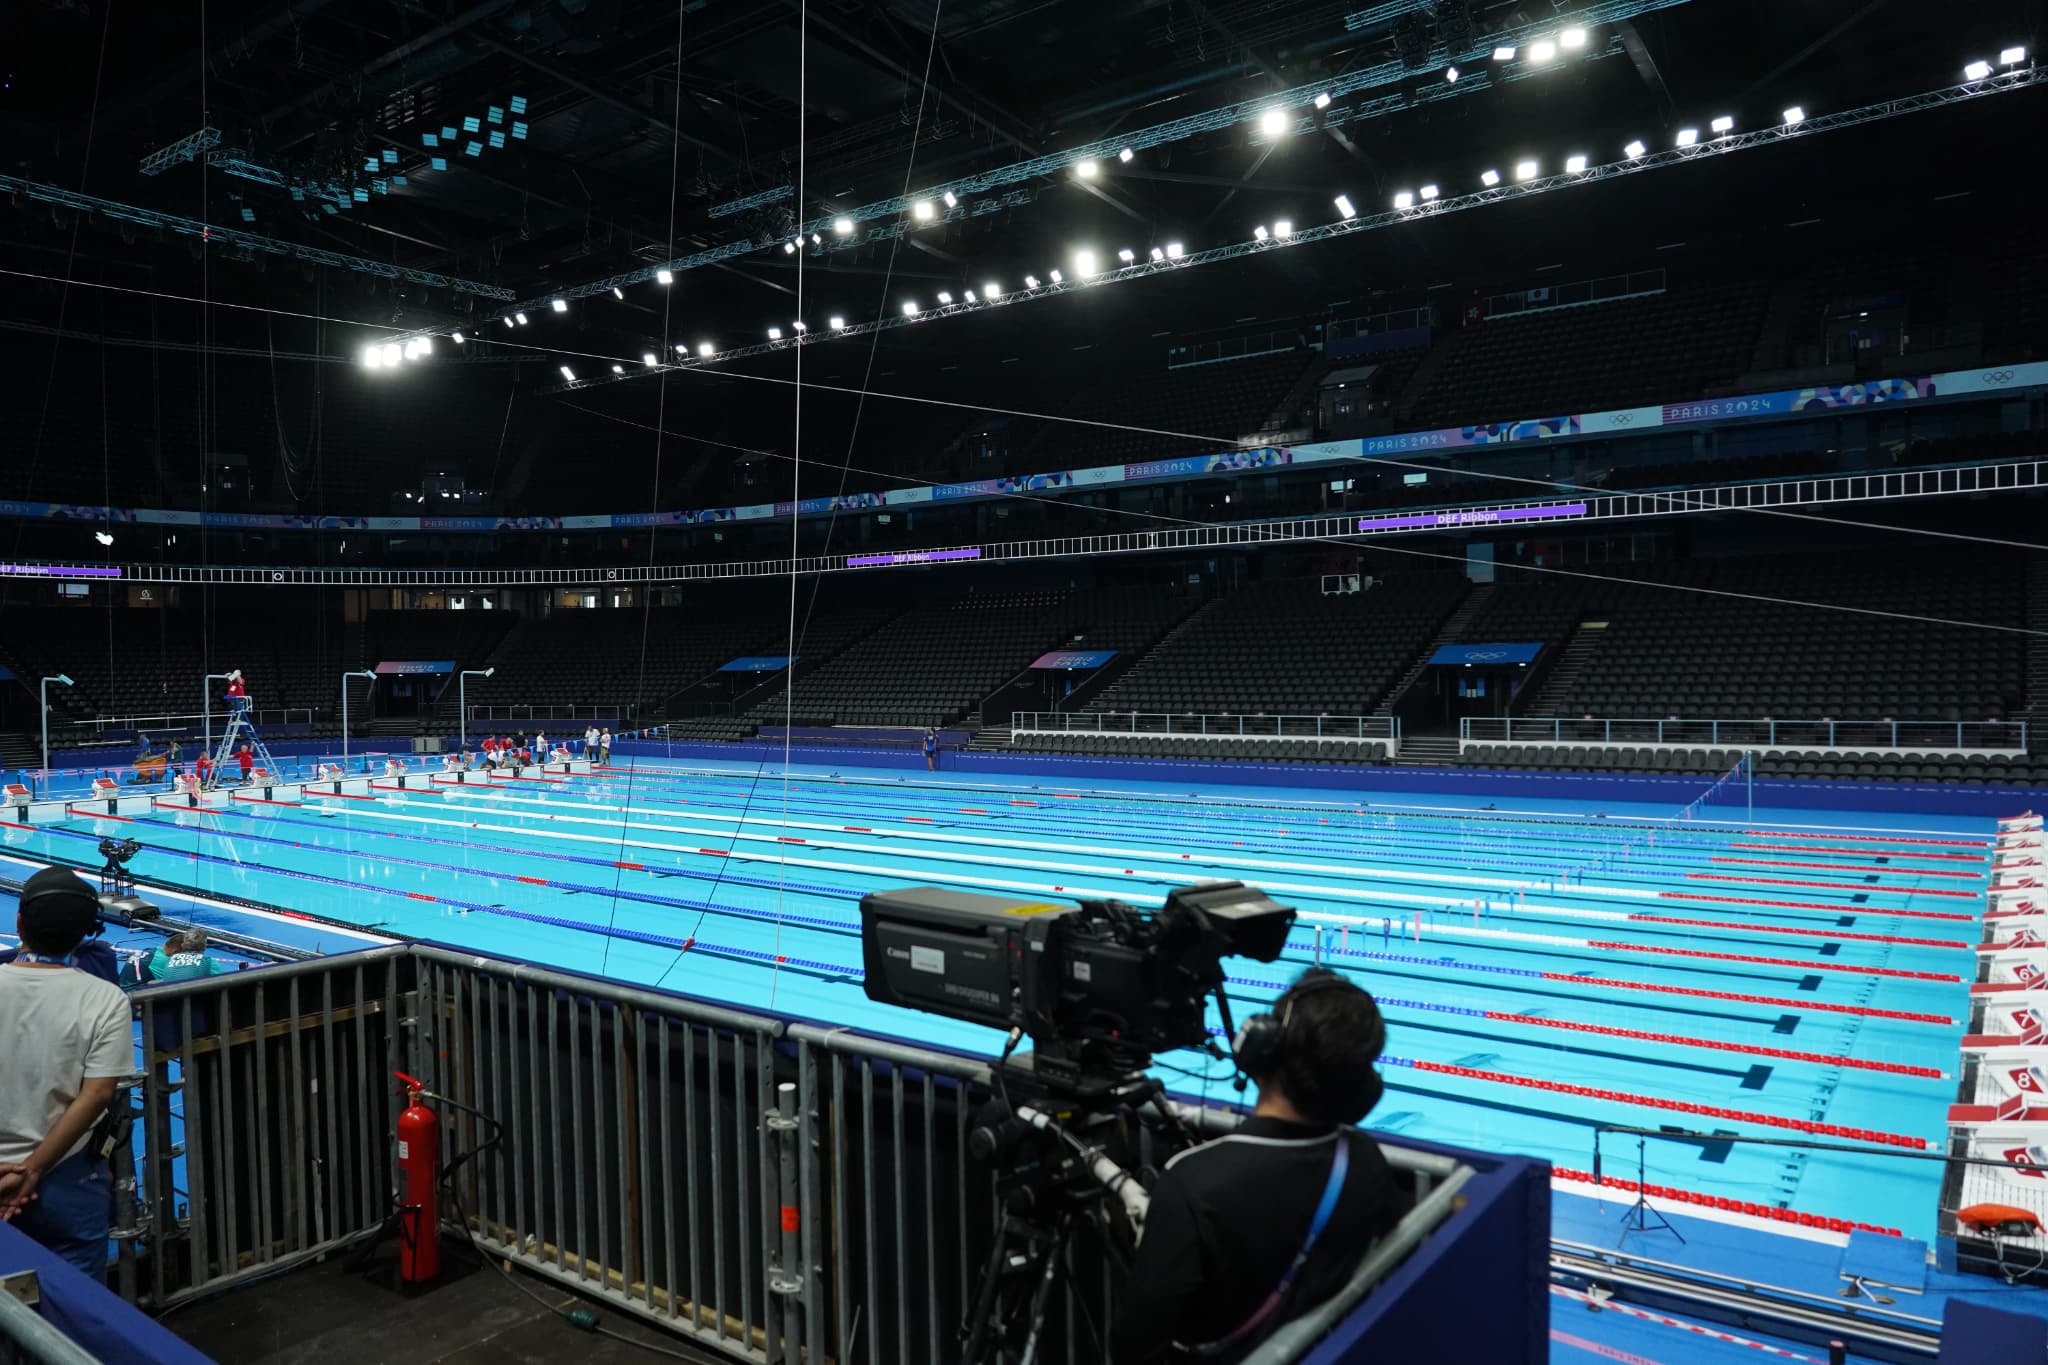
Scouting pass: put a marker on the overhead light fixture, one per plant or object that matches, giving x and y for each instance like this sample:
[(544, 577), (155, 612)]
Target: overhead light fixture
[(2012, 56), (1261, 233), (1976, 71), (1634, 149), (991, 290), (559, 305), (506, 321), (1084, 262), (706, 349), (647, 358), (617, 292), (1404, 200), (967, 296), (458, 338), (373, 357), (664, 277), (944, 298), (1343, 206), (1428, 192), (1542, 50), (681, 349), (1687, 136), (1723, 124), (1572, 38), (1451, 75), (799, 327), (103, 538), (1087, 169), (1504, 53), (838, 323), (952, 200), (1031, 281), (1125, 155), (618, 368), (519, 318), (909, 308), (1323, 99), (922, 210), (568, 374), (412, 348), (1127, 255), (391, 353), (842, 227), (1055, 276), (789, 248), (1489, 178), (1575, 164), (775, 334), (1793, 116), (1283, 227), (1275, 122), (1525, 170), (1158, 255)]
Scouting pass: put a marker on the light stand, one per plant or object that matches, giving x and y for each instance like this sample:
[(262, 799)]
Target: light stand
[(462, 700), (43, 696), (352, 673), (1641, 1215), (206, 705)]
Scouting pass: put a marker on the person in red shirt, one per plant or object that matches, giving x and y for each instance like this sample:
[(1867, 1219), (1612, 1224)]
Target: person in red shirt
[(238, 691), (205, 766), (246, 759)]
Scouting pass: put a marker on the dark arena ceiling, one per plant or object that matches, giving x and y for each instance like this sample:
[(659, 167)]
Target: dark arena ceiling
[(276, 180)]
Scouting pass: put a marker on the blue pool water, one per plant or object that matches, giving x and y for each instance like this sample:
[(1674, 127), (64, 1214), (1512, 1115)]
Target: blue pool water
[(1543, 970)]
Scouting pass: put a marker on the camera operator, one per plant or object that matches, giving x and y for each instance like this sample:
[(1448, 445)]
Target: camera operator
[(1259, 1226)]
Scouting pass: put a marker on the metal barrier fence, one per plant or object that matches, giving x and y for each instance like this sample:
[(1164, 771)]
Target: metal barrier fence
[(2004, 736), (480, 712), (1253, 726), (764, 1188), (274, 715)]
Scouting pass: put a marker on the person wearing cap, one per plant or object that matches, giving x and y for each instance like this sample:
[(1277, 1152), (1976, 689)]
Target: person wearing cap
[(69, 1042)]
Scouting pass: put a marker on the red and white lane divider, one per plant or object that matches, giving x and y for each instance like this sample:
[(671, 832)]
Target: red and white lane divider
[(1645, 1315)]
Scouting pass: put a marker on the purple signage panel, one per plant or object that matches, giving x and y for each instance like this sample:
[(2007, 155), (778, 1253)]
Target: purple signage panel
[(58, 571), (912, 557), (1476, 516)]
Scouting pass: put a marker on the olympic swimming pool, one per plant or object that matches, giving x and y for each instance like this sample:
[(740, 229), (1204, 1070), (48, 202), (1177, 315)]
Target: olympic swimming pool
[(1543, 970)]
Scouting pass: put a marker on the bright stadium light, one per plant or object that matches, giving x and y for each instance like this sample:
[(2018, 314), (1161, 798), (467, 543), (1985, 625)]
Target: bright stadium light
[(1503, 53), (1489, 178), (1404, 200), (1572, 39), (838, 323), (1525, 170), (1542, 50), (2012, 56), (1723, 124), (1275, 122), (559, 305), (910, 308), (1158, 255), (1344, 206), (1634, 149), (1173, 251), (842, 227), (789, 248), (1976, 71), (1031, 281), (944, 298), (103, 537), (1428, 192), (1283, 227), (952, 199), (617, 292), (664, 277), (1125, 155), (1087, 170), (568, 374), (967, 296), (373, 357), (799, 327), (1261, 233), (1451, 75), (1055, 276), (519, 318), (647, 358), (991, 290), (1794, 116), (816, 240), (458, 338), (1687, 136), (1084, 263), (775, 334), (1126, 255), (506, 321), (617, 368), (391, 353), (1575, 164), (681, 349), (922, 210), (1323, 100), (706, 349)]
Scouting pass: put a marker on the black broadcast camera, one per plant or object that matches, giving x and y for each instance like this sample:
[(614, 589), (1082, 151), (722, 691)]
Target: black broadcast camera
[(1096, 986), (118, 901)]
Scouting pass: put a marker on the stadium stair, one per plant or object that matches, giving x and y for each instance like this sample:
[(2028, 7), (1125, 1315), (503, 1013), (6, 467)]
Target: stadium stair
[(1424, 371), (1427, 751), (988, 737), (1448, 633), (1585, 640), (19, 751)]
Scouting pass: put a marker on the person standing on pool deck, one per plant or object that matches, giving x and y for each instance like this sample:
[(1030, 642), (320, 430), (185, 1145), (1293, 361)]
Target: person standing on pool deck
[(931, 749), (69, 1041), (246, 760), (604, 747)]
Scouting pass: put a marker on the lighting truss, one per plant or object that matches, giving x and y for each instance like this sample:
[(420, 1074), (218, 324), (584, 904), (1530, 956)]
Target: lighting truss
[(185, 149), (2011, 476), (751, 201), (215, 235), (971, 190), (1774, 135)]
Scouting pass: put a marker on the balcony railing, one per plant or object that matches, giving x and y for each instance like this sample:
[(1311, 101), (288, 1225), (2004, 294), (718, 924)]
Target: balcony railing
[(1946, 736), (1241, 725)]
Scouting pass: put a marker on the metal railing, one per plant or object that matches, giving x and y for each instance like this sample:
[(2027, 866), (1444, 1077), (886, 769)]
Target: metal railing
[(1990, 736), (776, 1191), (1254, 725), (276, 715), (481, 712)]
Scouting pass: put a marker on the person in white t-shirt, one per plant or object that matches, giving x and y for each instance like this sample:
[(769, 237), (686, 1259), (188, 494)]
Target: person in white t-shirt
[(69, 1040)]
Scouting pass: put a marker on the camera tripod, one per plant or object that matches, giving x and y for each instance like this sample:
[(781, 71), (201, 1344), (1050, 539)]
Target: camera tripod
[(1007, 1321)]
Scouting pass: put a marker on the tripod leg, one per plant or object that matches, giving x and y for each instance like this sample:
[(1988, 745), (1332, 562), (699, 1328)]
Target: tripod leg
[(1055, 1252), (983, 1314)]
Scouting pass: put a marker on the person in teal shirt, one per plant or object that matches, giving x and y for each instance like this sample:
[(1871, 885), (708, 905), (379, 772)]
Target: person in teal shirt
[(183, 957)]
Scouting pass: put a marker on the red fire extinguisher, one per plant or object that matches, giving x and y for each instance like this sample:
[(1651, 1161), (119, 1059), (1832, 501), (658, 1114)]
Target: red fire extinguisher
[(419, 1209)]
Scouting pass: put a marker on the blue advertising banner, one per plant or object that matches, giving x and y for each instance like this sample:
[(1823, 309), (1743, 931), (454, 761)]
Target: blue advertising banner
[(1074, 659), (1474, 655), (407, 667), (758, 663)]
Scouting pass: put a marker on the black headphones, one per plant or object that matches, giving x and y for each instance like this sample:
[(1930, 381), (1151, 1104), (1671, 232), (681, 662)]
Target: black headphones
[(1265, 1038)]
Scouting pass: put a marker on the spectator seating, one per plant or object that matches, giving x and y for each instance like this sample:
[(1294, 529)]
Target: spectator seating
[(1283, 647), (1215, 402), (1948, 769)]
